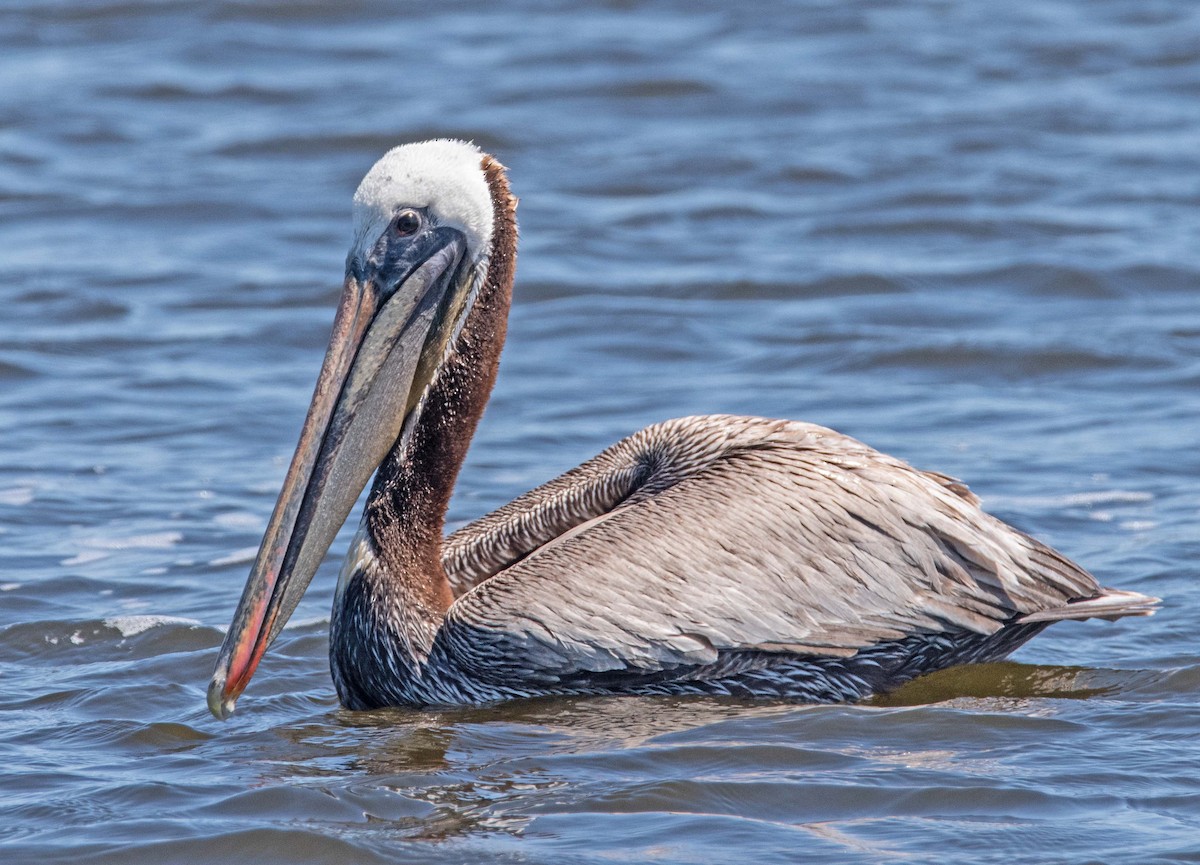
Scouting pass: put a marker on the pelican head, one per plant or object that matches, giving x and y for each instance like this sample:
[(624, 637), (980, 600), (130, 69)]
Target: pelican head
[(423, 224)]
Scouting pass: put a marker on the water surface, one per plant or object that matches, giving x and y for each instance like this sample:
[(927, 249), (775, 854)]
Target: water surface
[(965, 233)]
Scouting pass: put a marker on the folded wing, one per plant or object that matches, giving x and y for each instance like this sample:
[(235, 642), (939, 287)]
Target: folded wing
[(716, 533)]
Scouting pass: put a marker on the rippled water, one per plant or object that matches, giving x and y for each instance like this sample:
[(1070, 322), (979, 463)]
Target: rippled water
[(964, 232)]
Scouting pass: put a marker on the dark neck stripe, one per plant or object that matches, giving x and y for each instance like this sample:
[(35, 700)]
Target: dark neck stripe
[(407, 506)]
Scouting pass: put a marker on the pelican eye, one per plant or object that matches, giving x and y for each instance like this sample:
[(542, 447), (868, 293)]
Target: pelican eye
[(406, 223)]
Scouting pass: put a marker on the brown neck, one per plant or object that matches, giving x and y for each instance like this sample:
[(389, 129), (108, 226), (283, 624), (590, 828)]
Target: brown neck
[(406, 510)]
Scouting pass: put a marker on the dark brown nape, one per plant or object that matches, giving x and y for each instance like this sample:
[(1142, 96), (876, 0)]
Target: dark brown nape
[(406, 509)]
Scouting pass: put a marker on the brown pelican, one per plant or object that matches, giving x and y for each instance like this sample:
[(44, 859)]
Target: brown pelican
[(704, 555)]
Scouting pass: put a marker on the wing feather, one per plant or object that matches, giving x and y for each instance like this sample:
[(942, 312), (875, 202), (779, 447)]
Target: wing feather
[(746, 533)]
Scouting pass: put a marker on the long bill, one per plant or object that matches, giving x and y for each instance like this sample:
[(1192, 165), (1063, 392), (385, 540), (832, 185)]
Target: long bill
[(389, 315)]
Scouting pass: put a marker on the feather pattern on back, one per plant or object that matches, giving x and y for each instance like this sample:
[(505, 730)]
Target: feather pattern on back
[(710, 535)]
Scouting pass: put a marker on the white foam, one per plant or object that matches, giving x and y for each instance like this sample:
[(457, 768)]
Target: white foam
[(304, 623), (151, 541), (130, 626), (238, 557), (1107, 497), (97, 548), (86, 557), (1074, 500), (240, 520), (8, 587), (16, 496), (1139, 525)]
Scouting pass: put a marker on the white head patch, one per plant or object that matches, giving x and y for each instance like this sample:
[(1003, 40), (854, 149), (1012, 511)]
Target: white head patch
[(443, 175)]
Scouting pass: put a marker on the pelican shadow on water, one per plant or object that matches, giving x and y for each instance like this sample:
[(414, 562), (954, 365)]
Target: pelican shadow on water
[(703, 555)]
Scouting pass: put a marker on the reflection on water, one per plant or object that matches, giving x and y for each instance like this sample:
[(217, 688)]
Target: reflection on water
[(445, 776), (1019, 682)]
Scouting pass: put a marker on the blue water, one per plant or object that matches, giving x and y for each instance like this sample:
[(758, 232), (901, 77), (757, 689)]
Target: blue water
[(965, 233)]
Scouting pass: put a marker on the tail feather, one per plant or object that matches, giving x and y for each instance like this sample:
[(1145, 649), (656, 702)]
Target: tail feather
[(1110, 604)]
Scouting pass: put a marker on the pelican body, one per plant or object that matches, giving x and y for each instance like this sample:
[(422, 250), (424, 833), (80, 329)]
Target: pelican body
[(704, 555)]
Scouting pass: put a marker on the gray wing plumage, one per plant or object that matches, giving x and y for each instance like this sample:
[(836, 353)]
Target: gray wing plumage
[(716, 533)]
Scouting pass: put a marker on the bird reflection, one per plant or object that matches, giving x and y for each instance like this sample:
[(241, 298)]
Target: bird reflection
[(438, 776), (1009, 680)]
